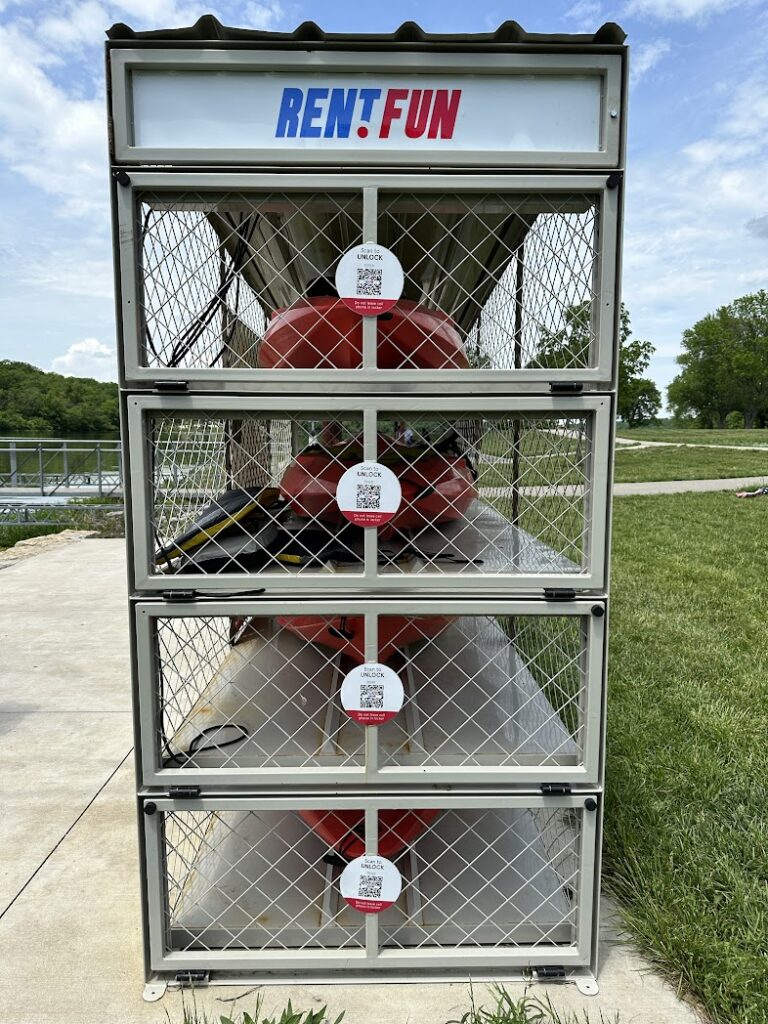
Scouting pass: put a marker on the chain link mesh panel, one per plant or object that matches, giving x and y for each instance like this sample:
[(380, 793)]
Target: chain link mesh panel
[(251, 692), (250, 880), (495, 878), (515, 273), (214, 268), (498, 877), (491, 691), (493, 495), (217, 505), (243, 280)]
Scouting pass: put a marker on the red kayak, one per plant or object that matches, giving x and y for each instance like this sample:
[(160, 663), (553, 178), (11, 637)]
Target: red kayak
[(344, 831), (322, 333), (438, 483), (346, 633)]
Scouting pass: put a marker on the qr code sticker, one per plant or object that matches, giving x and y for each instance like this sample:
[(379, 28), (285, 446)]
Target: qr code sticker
[(369, 281), (368, 496), (370, 887), (371, 697)]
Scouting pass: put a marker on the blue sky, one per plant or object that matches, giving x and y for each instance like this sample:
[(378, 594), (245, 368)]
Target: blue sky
[(697, 201)]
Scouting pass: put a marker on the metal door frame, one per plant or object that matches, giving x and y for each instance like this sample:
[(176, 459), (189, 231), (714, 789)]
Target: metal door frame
[(370, 580), (369, 377), (369, 774), (461, 960)]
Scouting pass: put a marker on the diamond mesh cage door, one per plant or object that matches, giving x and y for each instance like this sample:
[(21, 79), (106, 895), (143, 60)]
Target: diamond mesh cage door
[(244, 490), (254, 884), (240, 284), (251, 695)]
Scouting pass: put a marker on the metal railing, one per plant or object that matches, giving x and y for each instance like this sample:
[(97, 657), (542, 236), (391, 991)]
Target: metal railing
[(59, 466), (75, 516)]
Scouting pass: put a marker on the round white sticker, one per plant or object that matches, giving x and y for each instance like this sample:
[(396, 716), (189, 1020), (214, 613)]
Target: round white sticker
[(368, 494), (369, 279), (372, 693), (370, 884)]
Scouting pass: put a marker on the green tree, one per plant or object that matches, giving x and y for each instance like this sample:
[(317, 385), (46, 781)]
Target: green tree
[(35, 402), (639, 400), (725, 364)]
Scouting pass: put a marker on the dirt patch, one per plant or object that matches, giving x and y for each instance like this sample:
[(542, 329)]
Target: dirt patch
[(38, 545)]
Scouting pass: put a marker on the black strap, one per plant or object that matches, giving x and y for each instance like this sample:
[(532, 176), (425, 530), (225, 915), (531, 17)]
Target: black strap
[(183, 757)]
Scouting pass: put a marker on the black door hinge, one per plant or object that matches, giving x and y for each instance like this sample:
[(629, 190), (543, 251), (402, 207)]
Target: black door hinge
[(184, 792), (550, 973), (179, 595), (193, 595), (193, 978), (565, 387), (559, 594), (170, 385), (555, 788), (614, 180)]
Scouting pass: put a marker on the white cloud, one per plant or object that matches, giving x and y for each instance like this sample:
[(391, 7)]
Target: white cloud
[(740, 134), (647, 56), (758, 226), (265, 16), (87, 358), (588, 15), (681, 10), (696, 227), (69, 273), (149, 14), (80, 23), (51, 139)]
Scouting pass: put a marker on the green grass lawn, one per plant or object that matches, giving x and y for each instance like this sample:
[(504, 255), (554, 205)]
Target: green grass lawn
[(693, 436), (687, 774), (688, 464)]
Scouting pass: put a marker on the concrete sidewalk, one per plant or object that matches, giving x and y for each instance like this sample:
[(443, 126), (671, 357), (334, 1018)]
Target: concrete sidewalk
[(741, 483), (69, 890)]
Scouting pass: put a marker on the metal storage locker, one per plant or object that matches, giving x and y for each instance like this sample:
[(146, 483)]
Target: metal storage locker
[(483, 386)]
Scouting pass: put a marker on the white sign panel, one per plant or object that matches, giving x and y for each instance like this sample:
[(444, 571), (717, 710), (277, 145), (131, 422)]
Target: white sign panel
[(369, 279), (368, 494), (371, 694), (283, 111), (370, 884)]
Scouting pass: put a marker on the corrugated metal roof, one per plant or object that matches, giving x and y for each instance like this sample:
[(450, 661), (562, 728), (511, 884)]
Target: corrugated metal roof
[(408, 36)]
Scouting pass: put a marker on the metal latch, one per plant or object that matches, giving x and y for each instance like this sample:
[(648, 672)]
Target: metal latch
[(559, 594), (193, 978), (170, 385), (556, 788), (565, 387), (184, 792)]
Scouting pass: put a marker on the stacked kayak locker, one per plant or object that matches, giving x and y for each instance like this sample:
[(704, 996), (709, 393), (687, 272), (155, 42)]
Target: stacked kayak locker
[(367, 393)]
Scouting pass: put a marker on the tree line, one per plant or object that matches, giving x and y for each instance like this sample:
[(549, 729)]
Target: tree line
[(724, 376), (35, 402), (639, 400)]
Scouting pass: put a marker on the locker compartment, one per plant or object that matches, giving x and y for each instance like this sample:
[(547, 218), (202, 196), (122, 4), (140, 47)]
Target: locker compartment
[(510, 493), (250, 694), (256, 882), (510, 282)]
